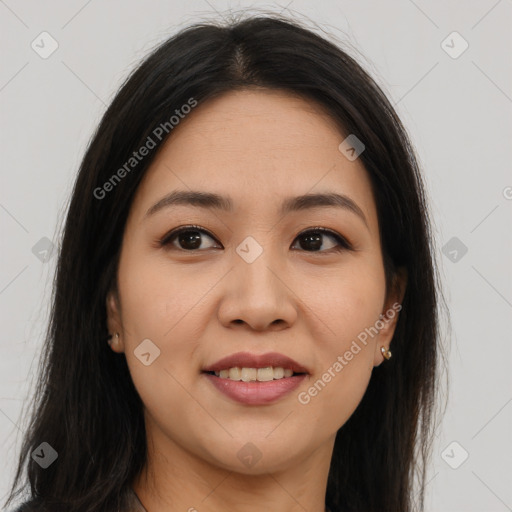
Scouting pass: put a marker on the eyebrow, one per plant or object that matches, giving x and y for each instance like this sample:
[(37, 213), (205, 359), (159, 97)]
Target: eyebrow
[(212, 201)]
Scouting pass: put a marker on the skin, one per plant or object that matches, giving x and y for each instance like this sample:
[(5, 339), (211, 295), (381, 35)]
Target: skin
[(198, 306)]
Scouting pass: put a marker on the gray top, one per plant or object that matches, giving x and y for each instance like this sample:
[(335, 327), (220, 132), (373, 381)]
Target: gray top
[(134, 503)]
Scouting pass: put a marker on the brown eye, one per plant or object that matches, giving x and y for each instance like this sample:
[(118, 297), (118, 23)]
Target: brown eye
[(312, 240), (188, 238)]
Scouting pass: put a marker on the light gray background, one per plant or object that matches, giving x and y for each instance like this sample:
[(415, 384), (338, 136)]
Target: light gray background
[(457, 110)]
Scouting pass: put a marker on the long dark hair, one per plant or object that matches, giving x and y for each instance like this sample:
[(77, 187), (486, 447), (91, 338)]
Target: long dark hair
[(86, 406)]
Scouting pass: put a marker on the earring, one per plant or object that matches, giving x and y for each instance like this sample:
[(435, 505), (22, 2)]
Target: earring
[(385, 352), (110, 340)]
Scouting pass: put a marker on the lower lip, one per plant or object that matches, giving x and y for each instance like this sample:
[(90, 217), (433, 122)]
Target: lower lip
[(254, 392)]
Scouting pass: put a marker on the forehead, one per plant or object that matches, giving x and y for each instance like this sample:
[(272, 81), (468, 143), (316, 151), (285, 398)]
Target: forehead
[(257, 146)]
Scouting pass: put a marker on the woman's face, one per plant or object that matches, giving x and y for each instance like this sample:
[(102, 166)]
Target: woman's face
[(257, 280)]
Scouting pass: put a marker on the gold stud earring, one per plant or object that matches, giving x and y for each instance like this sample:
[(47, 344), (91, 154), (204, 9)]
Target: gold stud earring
[(385, 352)]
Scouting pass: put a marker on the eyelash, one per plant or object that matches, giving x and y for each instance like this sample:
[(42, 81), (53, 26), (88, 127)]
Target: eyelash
[(344, 245)]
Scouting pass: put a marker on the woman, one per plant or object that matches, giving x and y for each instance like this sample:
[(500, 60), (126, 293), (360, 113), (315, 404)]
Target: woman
[(244, 314)]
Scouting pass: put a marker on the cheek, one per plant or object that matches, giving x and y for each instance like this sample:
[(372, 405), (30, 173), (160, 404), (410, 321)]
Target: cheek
[(167, 306), (159, 300), (347, 304), (336, 394), (346, 312)]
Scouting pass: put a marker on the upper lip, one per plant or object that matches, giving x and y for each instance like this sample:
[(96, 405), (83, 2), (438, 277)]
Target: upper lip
[(248, 360)]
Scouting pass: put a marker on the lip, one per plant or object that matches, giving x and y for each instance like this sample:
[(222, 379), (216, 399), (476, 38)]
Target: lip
[(256, 393), (248, 360)]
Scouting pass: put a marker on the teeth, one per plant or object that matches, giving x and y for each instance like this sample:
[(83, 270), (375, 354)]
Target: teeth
[(265, 374), (278, 373), (234, 374), (255, 374), (249, 374)]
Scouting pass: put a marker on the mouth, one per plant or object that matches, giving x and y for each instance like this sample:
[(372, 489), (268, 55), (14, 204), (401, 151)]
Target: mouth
[(265, 374), (255, 379), (255, 367)]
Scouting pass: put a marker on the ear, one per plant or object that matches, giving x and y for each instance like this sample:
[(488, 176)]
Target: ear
[(390, 313), (114, 323)]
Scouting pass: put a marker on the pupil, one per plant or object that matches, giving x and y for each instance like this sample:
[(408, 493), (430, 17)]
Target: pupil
[(190, 237), (315, 241)]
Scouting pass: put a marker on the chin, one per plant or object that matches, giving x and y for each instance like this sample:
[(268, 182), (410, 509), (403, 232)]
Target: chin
[(254, 457)]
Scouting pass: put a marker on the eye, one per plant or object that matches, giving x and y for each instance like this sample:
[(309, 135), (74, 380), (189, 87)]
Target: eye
[(189, 238), (312, 241)]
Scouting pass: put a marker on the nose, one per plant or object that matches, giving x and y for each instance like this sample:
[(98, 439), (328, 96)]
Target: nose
[(257, 295)]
